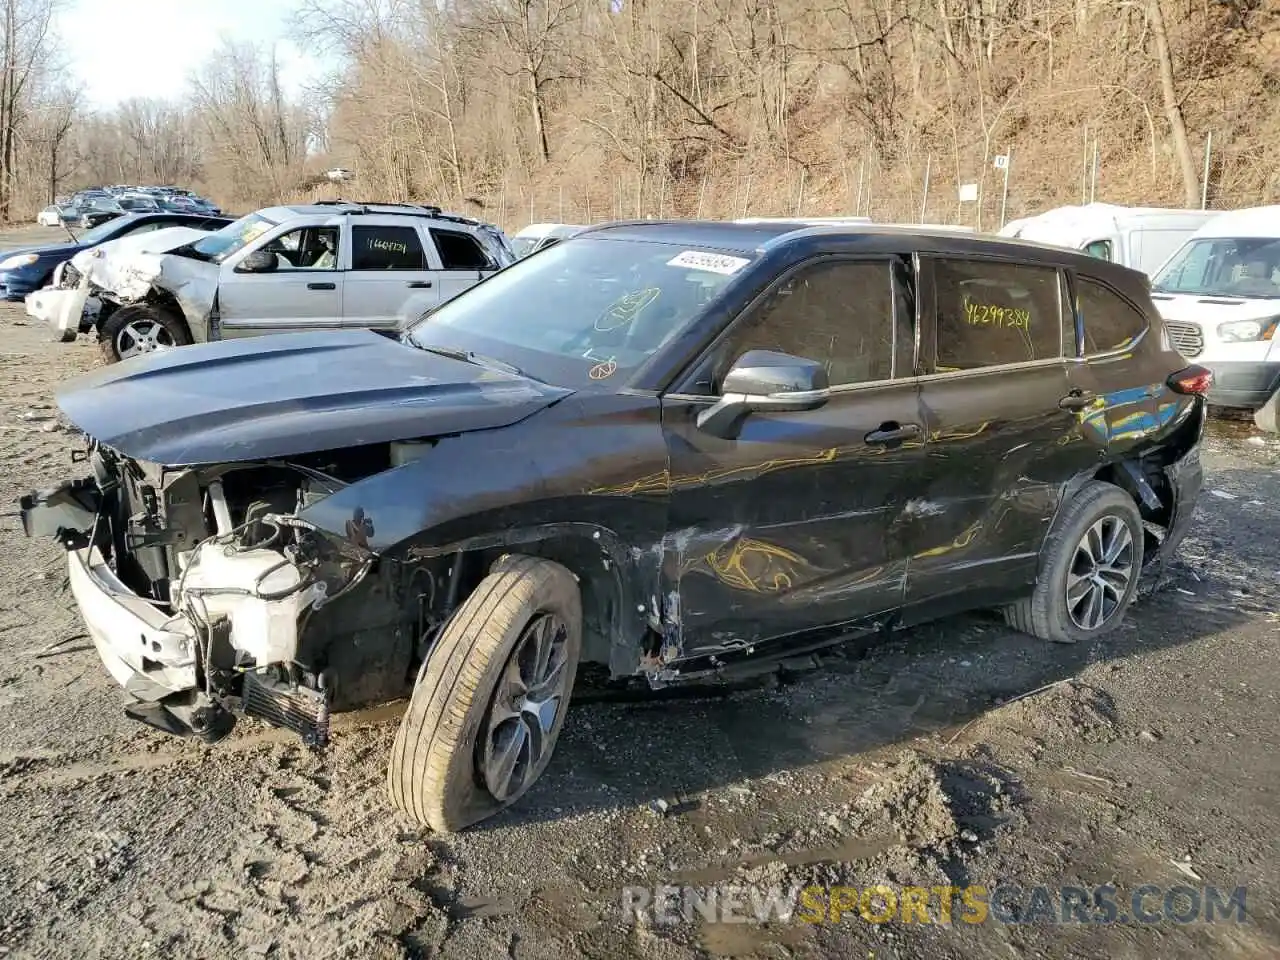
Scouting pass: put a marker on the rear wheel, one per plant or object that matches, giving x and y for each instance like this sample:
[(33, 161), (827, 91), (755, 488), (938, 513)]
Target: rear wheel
[(140, 328), (491, 697), (1089, 572)]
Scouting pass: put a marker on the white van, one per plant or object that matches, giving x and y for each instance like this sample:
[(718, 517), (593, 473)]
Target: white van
[(1220, 298), (539, 236), (1138, 237)]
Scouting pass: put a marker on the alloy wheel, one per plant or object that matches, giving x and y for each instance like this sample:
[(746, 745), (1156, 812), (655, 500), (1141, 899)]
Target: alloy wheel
[(142, 336), (531, 692), (1100, 573)]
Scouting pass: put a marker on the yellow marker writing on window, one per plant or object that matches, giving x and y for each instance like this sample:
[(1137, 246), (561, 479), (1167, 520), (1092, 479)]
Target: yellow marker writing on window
[(991, 315)]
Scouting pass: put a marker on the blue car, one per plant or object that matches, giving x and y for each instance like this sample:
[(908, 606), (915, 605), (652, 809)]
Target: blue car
[(26, 270)]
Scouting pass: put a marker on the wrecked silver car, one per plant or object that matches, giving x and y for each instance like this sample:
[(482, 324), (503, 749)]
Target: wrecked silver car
[(322, 266), (669, 450)]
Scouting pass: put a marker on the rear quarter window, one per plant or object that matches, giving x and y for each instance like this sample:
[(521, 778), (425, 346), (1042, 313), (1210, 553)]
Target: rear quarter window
[(1110, 321)]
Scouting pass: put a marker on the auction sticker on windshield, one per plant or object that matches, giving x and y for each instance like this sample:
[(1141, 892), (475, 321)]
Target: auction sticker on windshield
[(712, 262)]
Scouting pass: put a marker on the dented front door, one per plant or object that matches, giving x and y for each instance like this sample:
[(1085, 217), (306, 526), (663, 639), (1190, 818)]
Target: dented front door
[(790, 526), (304, 292)]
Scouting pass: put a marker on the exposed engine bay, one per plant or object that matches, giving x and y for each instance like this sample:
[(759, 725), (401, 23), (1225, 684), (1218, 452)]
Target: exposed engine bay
[(219, 549)]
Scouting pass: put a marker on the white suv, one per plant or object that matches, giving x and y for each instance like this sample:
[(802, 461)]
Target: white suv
[(320, 266)]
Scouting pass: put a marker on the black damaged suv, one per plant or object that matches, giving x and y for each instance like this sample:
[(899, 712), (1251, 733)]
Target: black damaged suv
[(676, 449)]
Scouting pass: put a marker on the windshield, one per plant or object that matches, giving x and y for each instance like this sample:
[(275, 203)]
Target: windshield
[(105, 231), (585, 310), (522, 246), (1224, 267), (236, 235)]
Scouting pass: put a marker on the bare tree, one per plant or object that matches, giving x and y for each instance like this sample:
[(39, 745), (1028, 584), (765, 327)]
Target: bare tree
[(55, 123), (1173, 106), (26, 26)]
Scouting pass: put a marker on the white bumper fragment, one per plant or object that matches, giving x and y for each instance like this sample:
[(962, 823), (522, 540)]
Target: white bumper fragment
[(60, 309), (149, 652)]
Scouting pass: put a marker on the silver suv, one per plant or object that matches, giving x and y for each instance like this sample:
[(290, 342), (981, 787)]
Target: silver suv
[(320, 266)]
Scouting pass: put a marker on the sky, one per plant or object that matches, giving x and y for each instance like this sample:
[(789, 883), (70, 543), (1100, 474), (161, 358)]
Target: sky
[(121, 49)]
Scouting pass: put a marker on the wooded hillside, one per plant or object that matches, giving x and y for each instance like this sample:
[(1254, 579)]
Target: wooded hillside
[(589, 109)]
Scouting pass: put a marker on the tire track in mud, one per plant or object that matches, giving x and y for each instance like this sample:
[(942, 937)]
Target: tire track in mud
[(41, 769)]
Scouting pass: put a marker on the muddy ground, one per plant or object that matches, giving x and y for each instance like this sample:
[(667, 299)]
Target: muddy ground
[(1150, 758)]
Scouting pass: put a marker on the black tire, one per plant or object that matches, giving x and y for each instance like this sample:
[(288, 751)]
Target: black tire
[(1045, 612), (433, 775), (109, 332)]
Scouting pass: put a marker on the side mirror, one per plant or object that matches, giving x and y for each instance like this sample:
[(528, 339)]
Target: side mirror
[(260, 261), (764, 381)]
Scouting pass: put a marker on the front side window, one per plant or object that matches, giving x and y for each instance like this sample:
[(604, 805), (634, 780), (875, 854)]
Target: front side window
[(1223, 267), (585, 311), (1099, 248), (996, 313), (307, 248), (1110, 322), (838, 313), (386, 248)]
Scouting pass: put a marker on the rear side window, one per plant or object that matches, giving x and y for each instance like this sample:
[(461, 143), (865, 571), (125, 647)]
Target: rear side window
[(460, 251), (1099, 248), (386, 248), (996, 313), (1110, 321)]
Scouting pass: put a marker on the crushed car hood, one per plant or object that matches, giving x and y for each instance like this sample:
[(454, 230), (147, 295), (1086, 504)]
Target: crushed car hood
[(289, 394), (130, 266)]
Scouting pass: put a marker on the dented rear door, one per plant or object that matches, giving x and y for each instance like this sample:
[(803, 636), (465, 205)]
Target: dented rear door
[(1004, 432)]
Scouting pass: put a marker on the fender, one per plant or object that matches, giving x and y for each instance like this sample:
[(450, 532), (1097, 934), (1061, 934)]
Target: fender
[(580, 471)]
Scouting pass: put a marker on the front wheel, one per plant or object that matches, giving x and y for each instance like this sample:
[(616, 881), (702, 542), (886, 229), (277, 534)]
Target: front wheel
[(140, 328), (1089, 571), (491, 697)]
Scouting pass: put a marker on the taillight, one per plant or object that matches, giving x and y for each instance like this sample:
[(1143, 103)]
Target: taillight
[(1191, 380)]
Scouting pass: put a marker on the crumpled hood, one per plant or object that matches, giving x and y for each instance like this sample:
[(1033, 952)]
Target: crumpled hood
[(128, 266), (289, 394)]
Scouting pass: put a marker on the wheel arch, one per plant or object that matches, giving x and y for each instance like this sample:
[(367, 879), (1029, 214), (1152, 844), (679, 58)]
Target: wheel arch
[(1152, 477), (619, 584), (159, 297)]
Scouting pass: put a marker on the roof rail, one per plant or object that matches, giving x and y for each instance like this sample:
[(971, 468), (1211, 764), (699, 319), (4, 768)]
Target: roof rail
[(362, 206)]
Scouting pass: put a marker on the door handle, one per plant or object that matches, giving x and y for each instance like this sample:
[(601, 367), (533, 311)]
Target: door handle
[(1077, 399), (322, 286), (419, 284), (893, 432)]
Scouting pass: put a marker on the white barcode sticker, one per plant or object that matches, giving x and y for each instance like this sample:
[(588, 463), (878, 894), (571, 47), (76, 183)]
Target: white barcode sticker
[(712, 262)]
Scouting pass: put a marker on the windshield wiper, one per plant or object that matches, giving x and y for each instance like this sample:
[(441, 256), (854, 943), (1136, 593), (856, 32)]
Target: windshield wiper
[(479, 359)]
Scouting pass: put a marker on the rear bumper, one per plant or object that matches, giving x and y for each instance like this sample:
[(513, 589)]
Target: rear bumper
[(149, 652), (1186, 479), (1243, 383)]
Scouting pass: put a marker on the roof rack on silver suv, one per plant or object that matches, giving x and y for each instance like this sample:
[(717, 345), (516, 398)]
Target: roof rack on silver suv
[(364, 206)]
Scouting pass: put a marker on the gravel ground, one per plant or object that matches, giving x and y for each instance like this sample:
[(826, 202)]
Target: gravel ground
[(1150, 758)]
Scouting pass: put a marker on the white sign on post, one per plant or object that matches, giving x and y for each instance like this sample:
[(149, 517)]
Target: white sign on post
[(968, 192), (1002, 162)]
